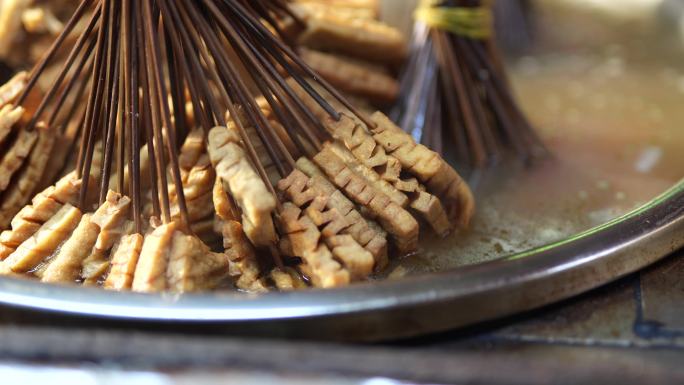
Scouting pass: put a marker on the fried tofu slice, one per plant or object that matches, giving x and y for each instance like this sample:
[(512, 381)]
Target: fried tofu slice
[(96, 234), (11, 90), (428, 167), (305, 242), (65, 267), (287, 279), (394, 219), (43, 243), (244, 184), (365, 148), (354, 77), (14, 158), (43, 207), (28, 178), (335, 227), (357, 260), (192, 150), (124, 260), (360, 38), (10, 23), (150, 272), (244, 267), (96, 267), (9, 117), (366, 232), (193, 267)]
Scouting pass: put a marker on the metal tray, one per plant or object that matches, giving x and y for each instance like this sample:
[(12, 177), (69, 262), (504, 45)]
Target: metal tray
[(401, 308), (454, 296)]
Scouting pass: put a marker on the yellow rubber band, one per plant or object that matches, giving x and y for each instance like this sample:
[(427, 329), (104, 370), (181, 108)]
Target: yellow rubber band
[(472, 22)]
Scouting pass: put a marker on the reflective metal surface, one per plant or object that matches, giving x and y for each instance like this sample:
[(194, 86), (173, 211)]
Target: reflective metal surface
[(407, 307)]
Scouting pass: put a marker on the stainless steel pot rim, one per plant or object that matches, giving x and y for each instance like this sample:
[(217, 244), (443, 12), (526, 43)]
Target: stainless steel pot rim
[(660, 221)]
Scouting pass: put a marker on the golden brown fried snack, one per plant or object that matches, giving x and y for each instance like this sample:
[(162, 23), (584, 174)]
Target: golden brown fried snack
[(124, 260), (43, 243), (44, 206), (14, 158), (9, 117), (366, 232), (65, 267), (360, 38), (429, 167), (150, 272), (366, 149), (244, 265), (337, 230), (92, 239), (305, 242), (11, 90), (393, 218), (193, 267), (244, 184), (28, 177), (354, 77), (287, 279)]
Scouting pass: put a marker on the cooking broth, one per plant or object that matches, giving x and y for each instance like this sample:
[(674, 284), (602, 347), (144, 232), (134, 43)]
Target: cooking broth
[(606, 96)]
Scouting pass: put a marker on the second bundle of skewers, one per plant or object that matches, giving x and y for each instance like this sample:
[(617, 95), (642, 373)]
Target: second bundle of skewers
[(183, 145), (455, 95)]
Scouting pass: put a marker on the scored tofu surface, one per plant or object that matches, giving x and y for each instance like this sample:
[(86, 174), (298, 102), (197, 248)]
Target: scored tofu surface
[(429, 167), (65, 267), (11, 90), (44, 242), (150, 271), (193, 266), (305, 242), (123, 263), (393, 218), (9, 116), (43, 207), (14, 158), (28, 177), (244, 184), (335, 228)]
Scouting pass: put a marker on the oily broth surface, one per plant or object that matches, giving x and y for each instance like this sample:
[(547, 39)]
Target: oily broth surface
[(609, 111)]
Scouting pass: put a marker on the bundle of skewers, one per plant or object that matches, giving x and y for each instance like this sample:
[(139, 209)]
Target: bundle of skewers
[(173, 121), (455, 93)]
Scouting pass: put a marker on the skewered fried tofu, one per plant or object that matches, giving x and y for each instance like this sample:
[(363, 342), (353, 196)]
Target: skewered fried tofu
[(305, 242), (365, 148), (243, 263), (14, 158), (150, 272), (368, 233), (335, 227), (9, 116), (99, 262), (244, 184), (96, 234), (193, 148), (44, 206), (354, 77), (43, 243), (11, 90), (287, 279), (429, 167), (193, 267), (397, 221), (124, 260), (28, 178), (361, 38), (66, 265)]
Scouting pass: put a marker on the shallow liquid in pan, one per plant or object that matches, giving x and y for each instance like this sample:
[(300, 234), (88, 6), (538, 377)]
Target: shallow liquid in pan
[(606, 93)]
